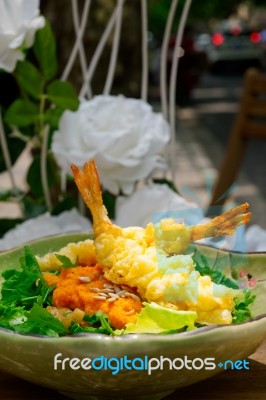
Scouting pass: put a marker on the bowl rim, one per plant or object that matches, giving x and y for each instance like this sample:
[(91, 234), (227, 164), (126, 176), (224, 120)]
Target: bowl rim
[(89, 233), (135, 336)]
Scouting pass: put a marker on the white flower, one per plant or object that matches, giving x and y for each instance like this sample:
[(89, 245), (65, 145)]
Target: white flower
[(124, 137), (44, 225), (256, 238), (19, 20), (153, 202)]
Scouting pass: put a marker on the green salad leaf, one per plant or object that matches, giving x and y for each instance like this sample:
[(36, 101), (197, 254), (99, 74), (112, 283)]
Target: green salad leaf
[(39, 321), (26, 287), (66, 262), (216, 276), (154, 318), (11, 315), (241, 311), (98, 323)]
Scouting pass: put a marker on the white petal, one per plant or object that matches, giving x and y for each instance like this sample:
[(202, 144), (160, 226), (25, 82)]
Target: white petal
[(9, 59), (141, 207), (256, 238), (18, 23), (123, 135), (44, 225)]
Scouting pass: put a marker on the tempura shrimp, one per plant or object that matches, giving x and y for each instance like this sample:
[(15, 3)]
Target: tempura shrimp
[(129, 256)]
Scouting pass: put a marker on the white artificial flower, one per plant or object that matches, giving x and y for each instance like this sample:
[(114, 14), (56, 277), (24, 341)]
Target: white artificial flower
[(153, 202), (123, 135), (19, 20), (256, 238), (44, 225)]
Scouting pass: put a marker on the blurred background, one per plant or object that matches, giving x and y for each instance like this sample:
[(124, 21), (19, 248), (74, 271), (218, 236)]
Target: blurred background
[(221, 40)]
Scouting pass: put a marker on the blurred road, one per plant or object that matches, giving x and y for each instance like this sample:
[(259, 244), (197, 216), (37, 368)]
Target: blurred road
[(207, 121)]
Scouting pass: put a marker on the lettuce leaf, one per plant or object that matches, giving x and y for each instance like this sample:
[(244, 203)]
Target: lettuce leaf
[(39, 321), (241, 311), (154, 318), (26, 287), (216, 275), (98, 323)]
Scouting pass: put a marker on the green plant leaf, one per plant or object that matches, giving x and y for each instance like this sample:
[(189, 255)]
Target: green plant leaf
[(34, 176), (16, 146), (29, 78), (52, 116), (45, 51), (98, 323), (241, 311), (41, 322), (27, 286), (8, 195), (216, 275), (154, 318), (66, 262), (63, 95), (67, 203), (22, 113), (33, 207)]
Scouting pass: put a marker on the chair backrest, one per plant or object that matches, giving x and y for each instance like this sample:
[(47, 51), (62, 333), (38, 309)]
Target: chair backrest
[(249, 123), (253, 105)]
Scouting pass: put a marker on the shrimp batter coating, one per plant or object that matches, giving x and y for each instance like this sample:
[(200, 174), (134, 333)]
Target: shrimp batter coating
[(83, 251), (129, 256)]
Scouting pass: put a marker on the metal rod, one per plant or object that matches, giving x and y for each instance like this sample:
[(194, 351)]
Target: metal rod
[(76, 46), (98, 52), (144, 29), (6, 153), (173, 79), (44, 177), (82, 56), (113, 59), (163, 59)]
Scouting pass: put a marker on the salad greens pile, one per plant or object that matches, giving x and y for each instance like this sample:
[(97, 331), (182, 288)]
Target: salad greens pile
[(25, 296), (241, 311)]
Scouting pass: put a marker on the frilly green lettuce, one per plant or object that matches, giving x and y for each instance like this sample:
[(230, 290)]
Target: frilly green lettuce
[(154, 318)]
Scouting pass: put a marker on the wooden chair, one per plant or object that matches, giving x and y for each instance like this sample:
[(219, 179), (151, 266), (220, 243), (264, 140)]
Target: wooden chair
[(250, 123)]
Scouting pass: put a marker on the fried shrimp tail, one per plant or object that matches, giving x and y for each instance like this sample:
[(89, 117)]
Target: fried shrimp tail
[(87, 181), (174, 237), (224, 224)]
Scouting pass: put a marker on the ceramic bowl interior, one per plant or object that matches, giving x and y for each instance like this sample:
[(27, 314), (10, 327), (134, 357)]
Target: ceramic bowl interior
[(32, 357)]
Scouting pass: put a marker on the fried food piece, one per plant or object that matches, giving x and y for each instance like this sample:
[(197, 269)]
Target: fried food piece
[(65, 315), (129, 256), (83, 251), (174, 237)]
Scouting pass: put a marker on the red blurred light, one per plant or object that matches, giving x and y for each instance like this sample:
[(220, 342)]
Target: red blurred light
[(255, 37), (236, 30), (217, 39)]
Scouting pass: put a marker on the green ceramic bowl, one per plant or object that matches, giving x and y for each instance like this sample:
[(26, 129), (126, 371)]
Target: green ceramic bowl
[(32, 357)]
